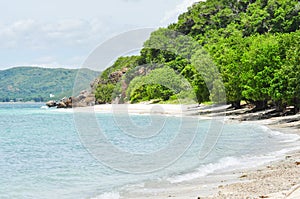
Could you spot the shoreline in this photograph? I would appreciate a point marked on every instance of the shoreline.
(275, 178)
(278, 178)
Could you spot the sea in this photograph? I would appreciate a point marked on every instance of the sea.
(49, 153)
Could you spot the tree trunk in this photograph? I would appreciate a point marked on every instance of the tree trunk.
(279, 106)
(296, 105)
(260, 105)
(236, 105)
(297, 110)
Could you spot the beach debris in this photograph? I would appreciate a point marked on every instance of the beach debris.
(263, 196)
(244, 176)
(297, 163)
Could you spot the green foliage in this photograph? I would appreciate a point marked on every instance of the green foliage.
(33, 83)
(110, 87)
(251, 17)
(206, 74)
(260, 61)
(166, 45)
(160, 83)
(226, 50)
(285, 87)
(271, 16)
(120, 63)
(227, 54)
(149, 92)
(218, 94)
(104, 93)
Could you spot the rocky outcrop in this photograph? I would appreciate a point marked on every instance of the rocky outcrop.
(51, 103)
(65, 103)
(115, 77)
(84, 99)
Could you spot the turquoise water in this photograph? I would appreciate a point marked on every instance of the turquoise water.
(42, 156)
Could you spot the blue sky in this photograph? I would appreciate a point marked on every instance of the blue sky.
(62, 33)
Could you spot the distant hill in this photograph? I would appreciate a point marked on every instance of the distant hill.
(37, 84)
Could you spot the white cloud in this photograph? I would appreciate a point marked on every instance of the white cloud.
(72, 32)
(28, 35)
(11, 34)
(63, 43)
(35, 35)
(172, 15)
(64, 25)
(68, 32)
(23, 25)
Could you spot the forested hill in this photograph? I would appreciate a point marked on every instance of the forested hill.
(36, 84)
(255, 46)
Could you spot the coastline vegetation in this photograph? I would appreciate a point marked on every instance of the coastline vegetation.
(255, 46)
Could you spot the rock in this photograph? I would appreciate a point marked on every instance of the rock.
(84, 93)
(90, 101)
(51, 103)
(124, 70)
(115, 76)
(84, 99)
(65, 103)
(79, 97)
(61, 105)
(68, 102)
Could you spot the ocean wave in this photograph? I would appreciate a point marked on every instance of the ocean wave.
(226, 164)
(108, 195)
(205, 170)
(284, 137)
(44, 107)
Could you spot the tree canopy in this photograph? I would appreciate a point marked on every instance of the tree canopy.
(238, 49)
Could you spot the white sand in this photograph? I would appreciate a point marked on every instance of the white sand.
(167, 109)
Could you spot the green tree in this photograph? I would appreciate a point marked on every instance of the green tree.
(260, 62)
(227, 55)
(209, 72)
(286, 87)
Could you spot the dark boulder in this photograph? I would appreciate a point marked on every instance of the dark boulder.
(61, 105)
(51, 103)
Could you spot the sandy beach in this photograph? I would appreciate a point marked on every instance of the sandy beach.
(165, 109)
(276, 179)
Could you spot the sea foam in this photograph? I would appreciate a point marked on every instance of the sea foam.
(108, 195)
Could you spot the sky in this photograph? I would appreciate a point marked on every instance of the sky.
(62, 33)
